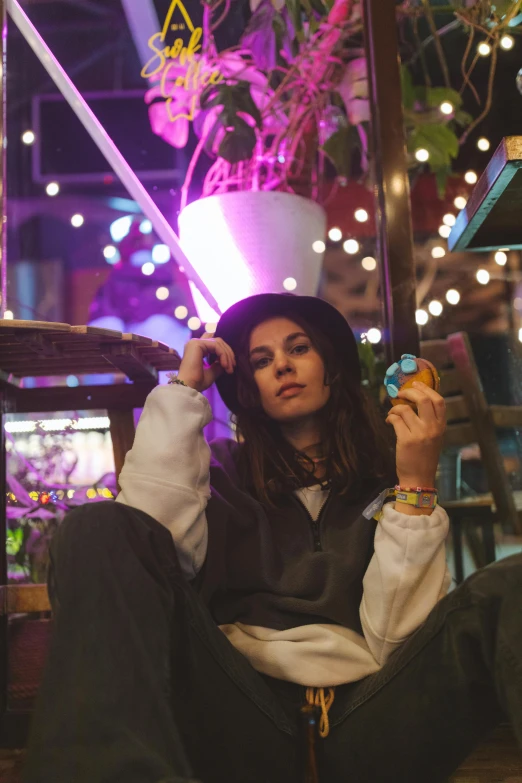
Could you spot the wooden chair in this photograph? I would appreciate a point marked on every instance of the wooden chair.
(30, 349)
(472, 420)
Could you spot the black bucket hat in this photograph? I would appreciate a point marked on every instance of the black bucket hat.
(245, 315)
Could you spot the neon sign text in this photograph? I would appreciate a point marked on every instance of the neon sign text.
(180, 56)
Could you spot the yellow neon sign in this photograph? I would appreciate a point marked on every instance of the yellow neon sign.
(167, 60)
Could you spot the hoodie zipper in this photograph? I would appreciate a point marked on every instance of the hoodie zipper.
(315, 523)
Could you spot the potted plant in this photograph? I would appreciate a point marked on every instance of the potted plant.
(284, 115)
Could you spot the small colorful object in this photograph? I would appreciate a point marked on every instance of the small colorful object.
(402, 375)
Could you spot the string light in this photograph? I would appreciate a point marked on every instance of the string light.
(482, 276)
(483, 144)
(449, 219)
(318, 246)
(120, 227)
(210, 328)
(351, 246)
(335, 234)
(452, 296)
(181, 312)
(160, 254)
(484, 49)
(193, 323)
(8, 315)
(470, 177)
(435, 308)
(446, 107)
(460, 202)
(148, 268)
(28, 137)
(444, 231)
(52, 189)
(438, 252)
(77, 220)
(369, 263)
(290, 284)
(162, 293)
(109, 251)
(500, 258)
(57, 425)
(507, 42)
(146, 227)
(374, 335)
(422, 155)
(361, 216)
(421, 316)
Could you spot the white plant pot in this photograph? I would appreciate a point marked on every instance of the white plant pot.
(250, 242)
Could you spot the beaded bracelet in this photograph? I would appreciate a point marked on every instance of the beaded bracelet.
(174, 379)
(400, 488)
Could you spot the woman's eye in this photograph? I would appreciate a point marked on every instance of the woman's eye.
(261, 363)
(300, 349)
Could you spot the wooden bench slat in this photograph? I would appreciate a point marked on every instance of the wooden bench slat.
(507, 415)
(18, 599)
(456, 409)
(436, 352)
(459, 435)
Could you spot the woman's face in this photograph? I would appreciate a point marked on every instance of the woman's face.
(282, 355)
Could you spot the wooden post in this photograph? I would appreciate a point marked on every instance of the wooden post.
(392, 192)
(3, 168)
(4, 630)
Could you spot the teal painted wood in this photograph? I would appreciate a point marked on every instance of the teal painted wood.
(496, 190)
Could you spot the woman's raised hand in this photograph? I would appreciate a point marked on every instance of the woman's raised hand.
(194, 372)
(419, 436)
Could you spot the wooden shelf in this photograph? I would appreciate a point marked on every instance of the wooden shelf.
(492, 217)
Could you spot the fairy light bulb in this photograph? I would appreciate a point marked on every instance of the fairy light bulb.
(452, 296)
(507, 42)
(460, 202)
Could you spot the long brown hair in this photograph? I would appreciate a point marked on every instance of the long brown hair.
(355, 441)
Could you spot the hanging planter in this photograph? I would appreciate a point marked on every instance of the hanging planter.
(251, 242)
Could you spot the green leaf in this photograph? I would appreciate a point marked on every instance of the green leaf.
(212, 96)
(294, 10)
(441, 178)
(434, 96)
(338, 148)
(319, 7)
(463, 118)
(14, 541)
(440, 141)
(502, 6)
(211, 136)
(238, 144)
(408, 91)
(243, 101)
